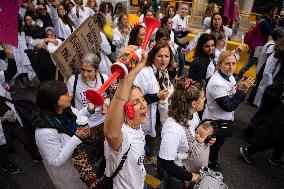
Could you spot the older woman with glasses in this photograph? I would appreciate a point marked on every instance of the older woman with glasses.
(223, 95)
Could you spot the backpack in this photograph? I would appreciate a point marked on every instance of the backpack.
(254, 37)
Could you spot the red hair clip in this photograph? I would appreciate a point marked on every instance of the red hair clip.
(187, 82)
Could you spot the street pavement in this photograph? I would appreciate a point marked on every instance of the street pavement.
(237, 174)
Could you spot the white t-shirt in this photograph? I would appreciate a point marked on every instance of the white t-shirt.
(179, 23)
(218, 87)
(173, 141)
(132, 174)
(206, 23)
(80, 97)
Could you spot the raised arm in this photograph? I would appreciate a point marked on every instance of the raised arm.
(116, 115)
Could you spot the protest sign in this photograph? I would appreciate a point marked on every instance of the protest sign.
(85, 39)
(9, 21)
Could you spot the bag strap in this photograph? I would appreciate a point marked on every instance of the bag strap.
(102, 78)
(124, 157)
(74, 89)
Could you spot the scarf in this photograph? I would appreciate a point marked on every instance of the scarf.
(64, 123)
(162, 77)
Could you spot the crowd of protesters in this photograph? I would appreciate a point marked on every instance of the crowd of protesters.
(186, 110)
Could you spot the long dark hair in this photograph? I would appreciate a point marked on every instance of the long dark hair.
(134, 34)
(65, 19)
(119, 8)
(201, 42)
(211, 23)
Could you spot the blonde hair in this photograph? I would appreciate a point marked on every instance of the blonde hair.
(223, 56)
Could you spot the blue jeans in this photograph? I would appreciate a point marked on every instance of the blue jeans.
(181, 62)
(250, 63)
(171, 182)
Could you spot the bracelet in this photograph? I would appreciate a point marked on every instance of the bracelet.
(118, 98)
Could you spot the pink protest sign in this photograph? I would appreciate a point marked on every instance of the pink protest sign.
(9, 21)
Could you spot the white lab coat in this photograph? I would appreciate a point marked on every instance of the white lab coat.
(83, 15)
(119, 40)
(62, 30)
(272, 67)
(22, 61)
(56, 150)
(148, 84)
(105, 51)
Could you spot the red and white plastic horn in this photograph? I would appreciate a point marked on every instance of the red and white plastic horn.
(121, 68)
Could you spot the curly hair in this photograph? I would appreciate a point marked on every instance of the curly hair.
(181, 100)
(155, 50)
(134, 35)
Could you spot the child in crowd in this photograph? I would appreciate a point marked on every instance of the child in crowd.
(199, 146)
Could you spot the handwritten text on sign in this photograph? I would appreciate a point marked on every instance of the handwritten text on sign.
(85, 39)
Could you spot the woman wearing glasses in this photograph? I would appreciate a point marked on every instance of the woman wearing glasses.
(223, 95)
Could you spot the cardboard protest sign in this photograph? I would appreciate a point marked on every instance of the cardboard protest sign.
(85, 39)
(9, 21)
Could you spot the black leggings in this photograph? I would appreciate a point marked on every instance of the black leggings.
(271, 134)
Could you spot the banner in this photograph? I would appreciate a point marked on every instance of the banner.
(9, 21)
(85, 39)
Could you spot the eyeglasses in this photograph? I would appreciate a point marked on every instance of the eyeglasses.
(230, 63)
(41, 9)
